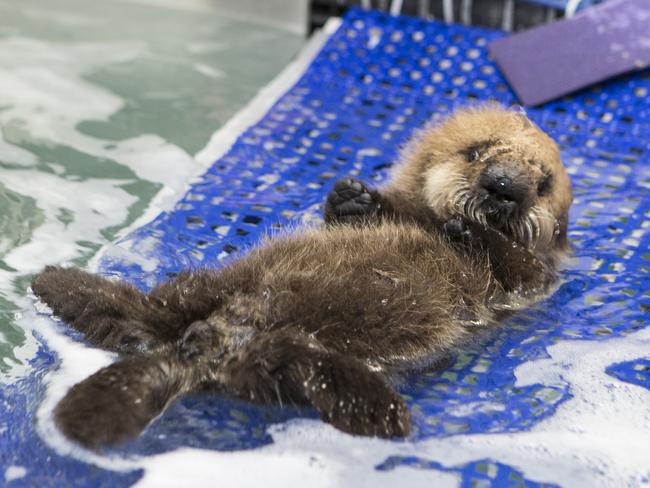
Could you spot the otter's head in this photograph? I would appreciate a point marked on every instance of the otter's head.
(493, 166)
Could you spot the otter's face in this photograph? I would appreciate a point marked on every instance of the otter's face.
(495, 167)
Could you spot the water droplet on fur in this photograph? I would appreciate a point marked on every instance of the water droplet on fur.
(323, 386)
(137, 400)
(384, 301)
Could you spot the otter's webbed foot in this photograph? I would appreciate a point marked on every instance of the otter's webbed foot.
(113, 315)
(350, 201)
(283, 368)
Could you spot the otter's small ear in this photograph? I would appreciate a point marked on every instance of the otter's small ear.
(520, 112)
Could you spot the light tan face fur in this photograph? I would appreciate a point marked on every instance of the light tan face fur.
(450, 164)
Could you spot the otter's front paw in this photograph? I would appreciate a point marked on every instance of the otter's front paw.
(350, 198)
(458, 231)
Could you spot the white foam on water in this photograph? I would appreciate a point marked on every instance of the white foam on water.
(45, 97)
(93, 204)
(77, 361)
(205, 47)
(209, 71)
(14, 473)
(16, 155)
(597, 438)
(322, 458)
(49, 117)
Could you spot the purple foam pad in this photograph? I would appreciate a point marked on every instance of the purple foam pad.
(556, 59)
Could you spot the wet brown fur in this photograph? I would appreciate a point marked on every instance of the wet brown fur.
(329, 316)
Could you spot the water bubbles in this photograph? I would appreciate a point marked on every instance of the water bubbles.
(41, 308)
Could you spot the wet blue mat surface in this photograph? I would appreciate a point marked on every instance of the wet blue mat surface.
(376, 80)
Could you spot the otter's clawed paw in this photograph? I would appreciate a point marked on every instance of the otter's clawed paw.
(350, 197)
(458, 231)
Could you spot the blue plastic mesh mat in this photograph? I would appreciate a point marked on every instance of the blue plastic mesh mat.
(635, 372)
(376, 80)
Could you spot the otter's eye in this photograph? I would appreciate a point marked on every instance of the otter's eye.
(473, 153)
(544, 185)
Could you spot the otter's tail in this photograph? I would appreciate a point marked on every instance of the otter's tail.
(118, 401)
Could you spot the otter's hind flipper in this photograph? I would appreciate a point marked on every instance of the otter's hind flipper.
(112, 315)
(283, 367)
(117, 402)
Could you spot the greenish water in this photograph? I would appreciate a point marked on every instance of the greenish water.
(102, 106)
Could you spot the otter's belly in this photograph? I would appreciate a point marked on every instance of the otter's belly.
(382, 292)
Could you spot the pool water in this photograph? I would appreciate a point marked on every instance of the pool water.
(103, 106)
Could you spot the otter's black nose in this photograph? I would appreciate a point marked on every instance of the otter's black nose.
(503, 189)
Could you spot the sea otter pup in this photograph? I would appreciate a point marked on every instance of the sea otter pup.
(472, 223)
